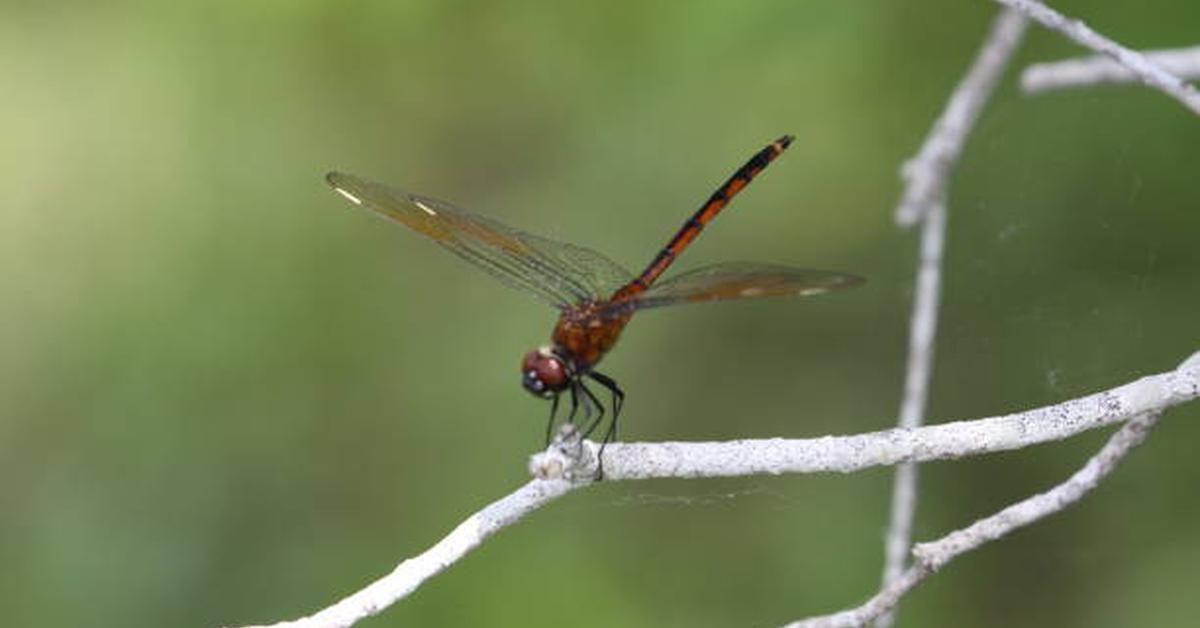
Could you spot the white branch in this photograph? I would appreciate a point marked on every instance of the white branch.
(937, 553)
(638, 461)
(926, 174)
(934, 555)
(411, 573)
(922, 332)
(1146, 70)
(1096, 69)
(925, 199)
(629, 461)
(1138, 404)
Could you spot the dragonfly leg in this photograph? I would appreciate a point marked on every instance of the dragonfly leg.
(590, 396)
(550, 423)
(618, 401)
(574, 404)
(587, 401)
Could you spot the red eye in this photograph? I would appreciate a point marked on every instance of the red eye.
(543, 373)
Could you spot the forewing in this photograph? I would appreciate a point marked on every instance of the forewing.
(557, 272)
(589, 268)
(738, 280)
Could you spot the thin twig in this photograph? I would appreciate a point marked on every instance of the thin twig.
(627, 461)
(1096, 69)
(411, 573)
(921, 337)
(1146, 70)
(932, 556)
(925, 200)
(926, 174)
(845, 454)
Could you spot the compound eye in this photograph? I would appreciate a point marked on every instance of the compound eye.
(543, 373)
(533, 383)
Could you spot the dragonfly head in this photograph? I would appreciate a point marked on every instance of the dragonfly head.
(544, 373)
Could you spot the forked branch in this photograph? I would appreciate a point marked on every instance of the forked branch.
(927, 174)
(925, 201)
(932, 556)
(1098, 69)
(1137, 405)
(1144, 68)
(627, 461)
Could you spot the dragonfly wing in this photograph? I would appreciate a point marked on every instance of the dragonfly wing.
(598, 274)
(738, 280)
(556, 272)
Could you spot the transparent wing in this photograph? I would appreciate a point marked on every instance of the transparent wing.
(737, 280)
(556, 272)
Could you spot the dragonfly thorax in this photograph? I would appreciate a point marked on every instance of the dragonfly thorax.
(585, 332)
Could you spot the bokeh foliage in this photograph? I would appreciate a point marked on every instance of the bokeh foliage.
(226, 396)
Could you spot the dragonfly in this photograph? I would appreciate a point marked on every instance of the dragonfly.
(595, 296)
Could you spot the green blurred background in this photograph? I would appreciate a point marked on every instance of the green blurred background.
(227, 396)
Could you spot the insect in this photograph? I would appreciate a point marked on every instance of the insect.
(595, 296)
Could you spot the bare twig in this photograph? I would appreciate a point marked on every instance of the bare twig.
(925, 196)
(1137, 404)
(924, 200)
(1096, 69)
(627, 461)
(922, 332)
(411, 573)
(926, 174)
(1146, 70)
(934, 555)
(937, 553)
